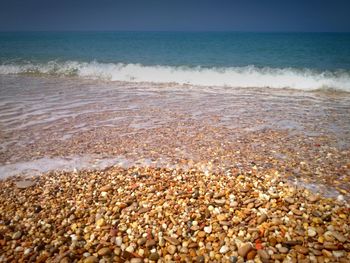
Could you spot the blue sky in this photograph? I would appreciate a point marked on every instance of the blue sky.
(179, 15)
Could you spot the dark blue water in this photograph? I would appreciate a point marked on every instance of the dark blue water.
(221, 49)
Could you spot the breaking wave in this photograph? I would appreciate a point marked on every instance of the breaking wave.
(248, 76)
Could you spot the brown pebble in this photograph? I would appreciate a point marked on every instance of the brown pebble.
(264, 256)
(244, 249)
(301, 249)
(24, 184)
(141, 241)
(105, 188)
(201, 234)
(172, 240)
(171, 249)
(262, 219)
(154, 256)
(150, 243)
(251, 254)
(91, 259)
(104, 251)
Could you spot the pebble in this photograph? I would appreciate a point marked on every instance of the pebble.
(136, 260)
(208, 229)
(154, 256)
(171, 249)
(150, 243)
(283, 250)
(224, 249)
(264, 256)
(262, 219)
(17, 235)
(91, 259)
(311, 232)
(172, 240)
(105, 188)
(244, 249)
(301, 249)
(221, 217)
(104, 251)
(118, 241)
(24, 184)
(233, 259)
(251, 254)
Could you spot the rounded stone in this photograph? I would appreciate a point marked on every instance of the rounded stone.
(91, 259)
(154, 256)
(171, 249)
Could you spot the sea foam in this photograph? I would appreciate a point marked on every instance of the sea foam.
(248, 76)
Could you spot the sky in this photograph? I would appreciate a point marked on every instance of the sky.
(175, 15)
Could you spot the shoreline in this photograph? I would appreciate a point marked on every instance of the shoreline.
(145, 214)
(206, 172)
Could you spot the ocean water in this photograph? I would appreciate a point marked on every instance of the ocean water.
(305, 61)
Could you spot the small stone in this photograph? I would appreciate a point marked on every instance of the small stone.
(104, 251)
(220, 202)
(311, 232)
(251, 254)
(313, 198)
(24, 184)
(208, 229)
(65, 260)
(105, 188)
(37, 209)
(224, 249)
(301, 249)
(233, 259)
(262, 219)
(172, 240)
(297, 212)
(221, 217)
(244, 249)
(130, 249)
(327, 253)
(340, 237)
(201, 234)
(136, 260)
(200, 259)
(17, 235)
(154, 256)
(141, 241)
(283, 250)
(150, 243)
(100, 222)
(118, 241)
(91, 259)
(171, 249)
(338, 253)
(289, 200)
(144, 210)
(127, 255)
(264, 256)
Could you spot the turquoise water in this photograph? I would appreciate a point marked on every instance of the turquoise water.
(293, 60)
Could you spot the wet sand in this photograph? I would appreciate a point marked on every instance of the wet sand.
(181, 154)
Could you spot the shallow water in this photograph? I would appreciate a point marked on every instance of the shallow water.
(211, 128)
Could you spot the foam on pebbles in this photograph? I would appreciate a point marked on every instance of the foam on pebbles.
(115, 216)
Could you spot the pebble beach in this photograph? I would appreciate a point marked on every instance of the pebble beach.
(218, 175)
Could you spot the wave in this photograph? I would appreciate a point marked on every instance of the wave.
(248, 76)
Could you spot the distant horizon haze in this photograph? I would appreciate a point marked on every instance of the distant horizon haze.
(181, 15)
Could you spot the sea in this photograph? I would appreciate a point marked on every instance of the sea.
(213, 101)
(305, 61)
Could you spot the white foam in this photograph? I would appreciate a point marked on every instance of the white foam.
(249, 76)
(69, 164)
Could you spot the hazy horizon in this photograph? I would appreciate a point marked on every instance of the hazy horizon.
(166, 15)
